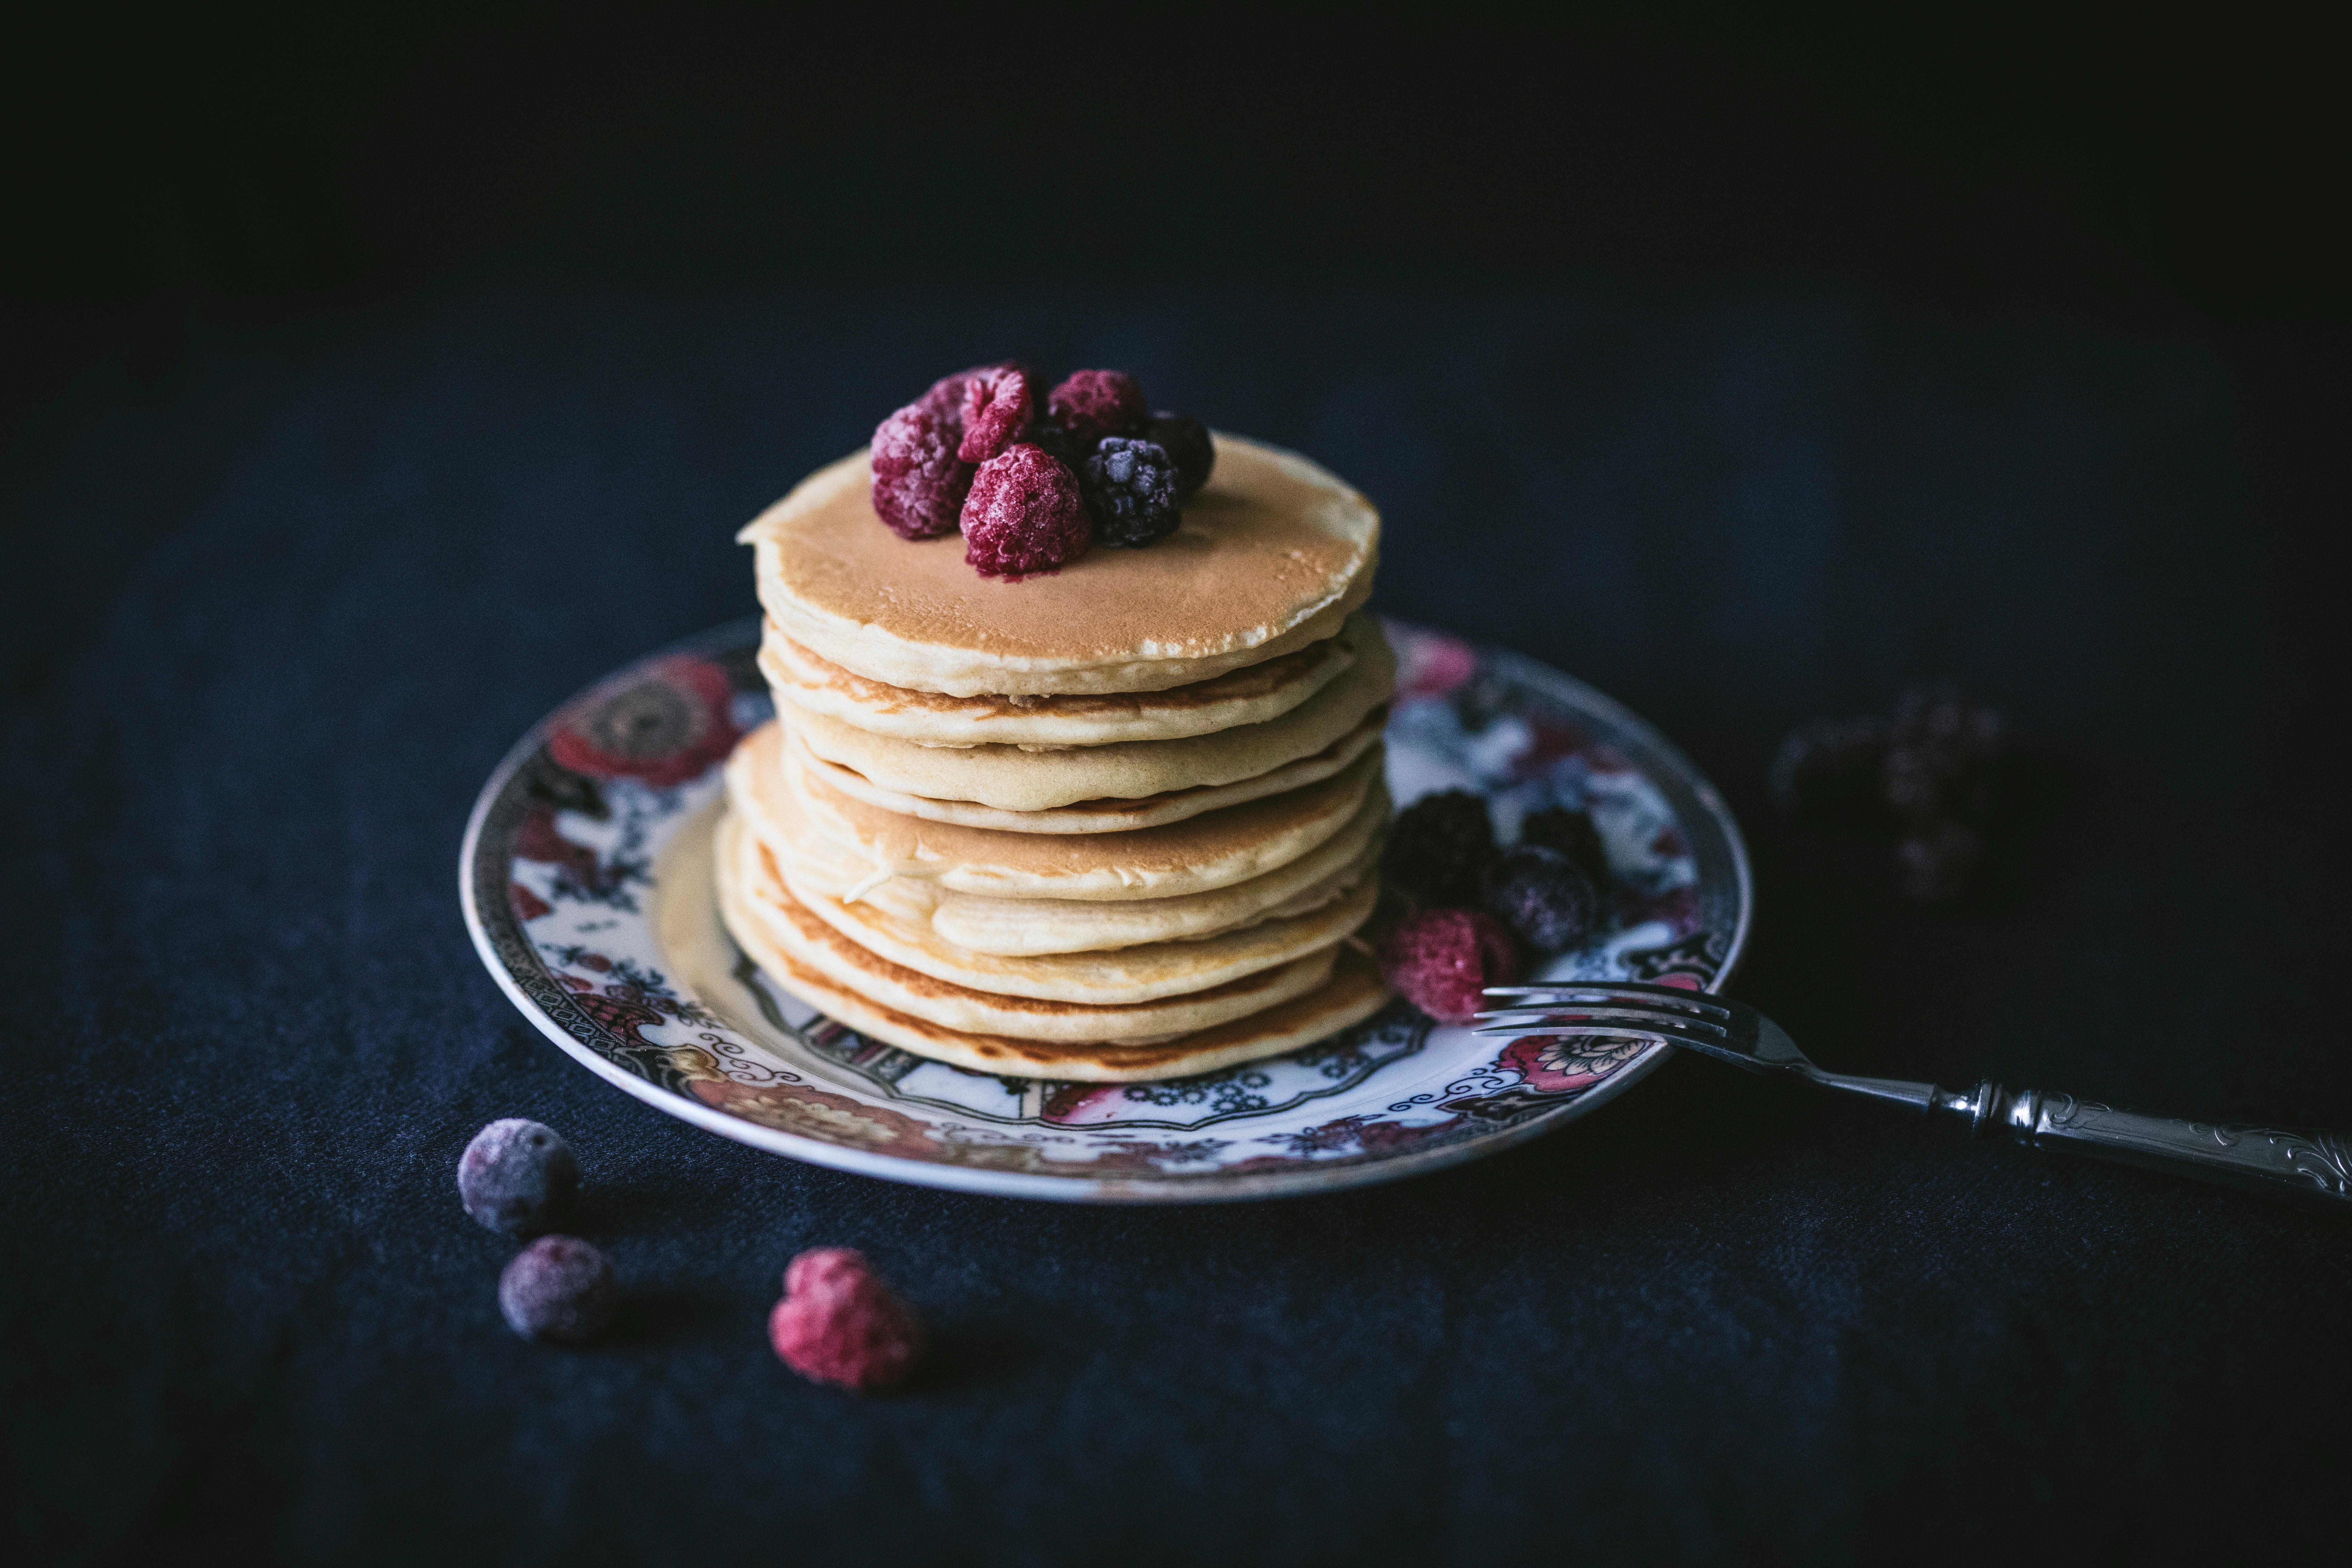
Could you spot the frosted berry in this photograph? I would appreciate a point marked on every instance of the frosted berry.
(1938, 861)
(518, 1177)
(996, 409)
(1092, 404)
(839, 1323)
(1439, 848)
(1025, 513)
(920, 484)
(561, 1289)
(1829, 767)
(1060, 445)
(1186, 441)
(1543, 895)
(1572, 834)
(1441, 961)
(1131, 488)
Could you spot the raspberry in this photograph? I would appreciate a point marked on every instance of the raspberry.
(1938, 861)
(1831, 766)
(1440, 847)
(839, 1323)
(996, 409)
(1441, 961)
(517, 1176)
(559, 1288)
(1572, 834)
(1025, 513)
(1131, 488)
(1543, 896)
(1186, 441)
(1092, 404)
(918, 482)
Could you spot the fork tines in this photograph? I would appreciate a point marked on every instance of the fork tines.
(1608, 1007)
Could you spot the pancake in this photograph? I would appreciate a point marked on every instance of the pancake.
(757, 902)
(1270, 558)
(1213, 850)
(1249, 696)
(1353, 994)
(1010, 779)
(1098, 815)
(1017, 928)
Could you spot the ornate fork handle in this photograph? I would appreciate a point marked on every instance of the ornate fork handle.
(2283, 1163)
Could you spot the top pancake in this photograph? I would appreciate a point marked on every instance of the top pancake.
(1270, 558)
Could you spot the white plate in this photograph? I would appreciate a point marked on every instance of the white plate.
(586, 881)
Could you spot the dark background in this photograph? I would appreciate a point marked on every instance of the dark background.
(373, 382)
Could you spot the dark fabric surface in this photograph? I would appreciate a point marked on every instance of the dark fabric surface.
(269, 626)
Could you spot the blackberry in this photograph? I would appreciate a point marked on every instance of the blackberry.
(1572, 834)
(1830, 766)
(1441, 961)
(1060, 445)
(1938, 861)
(1093, 404)
(1024, 513)
(1942, 757)
(1131, 488)
(1439, 848)
(1186, 441)
(559, 1288)
(920, 484)
(517, 1176)
(1543, 896)
(996, 409)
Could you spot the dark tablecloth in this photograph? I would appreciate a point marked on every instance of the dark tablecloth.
(269, 624)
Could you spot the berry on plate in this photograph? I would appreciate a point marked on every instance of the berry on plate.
(1545, 897)
(1439, 848)
(1441, 961)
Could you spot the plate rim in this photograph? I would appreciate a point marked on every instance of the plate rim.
(1076, 1188)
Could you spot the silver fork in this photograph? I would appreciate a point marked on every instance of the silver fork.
(2294, 1164)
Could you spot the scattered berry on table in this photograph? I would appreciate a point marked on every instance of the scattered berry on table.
(839, 1323)
(920, 483)
(1938, 861)
(1024, 513)
(1441, 961)
(1131, 488)
(1439, 847)
(1092, 404)
(1545, 897)
(1186, 441)
(559, 1288)
(1572, 834)
(1943, 756)
(997, 407)
(1831, 766)
(517, 1176)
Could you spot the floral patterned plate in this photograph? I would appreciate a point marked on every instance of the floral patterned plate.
(586, 881)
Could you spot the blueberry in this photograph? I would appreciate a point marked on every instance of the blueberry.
(1186, 441)
(517, 1176)
(1540, 894)
(559, 1288)
(1439, 848)
(1572, 834)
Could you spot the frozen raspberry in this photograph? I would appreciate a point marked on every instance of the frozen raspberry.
(996, 409)
(1542, 895)
(1572, 834)
(1130, 488)
(1186, 441)
(517, 1176)
(838, 1324)
(1938, 861)
(1025, 513)
(1092, 404)
(920, 484)
(1442, 960)
(559, 1288)
(1942, 757)
(1829, 767)
(1439, 848)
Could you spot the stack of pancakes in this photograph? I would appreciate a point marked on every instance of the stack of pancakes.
(1116, 822)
